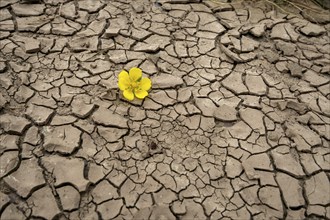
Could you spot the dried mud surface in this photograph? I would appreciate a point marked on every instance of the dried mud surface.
(236, 126)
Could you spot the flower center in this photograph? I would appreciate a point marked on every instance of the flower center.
(134, 85)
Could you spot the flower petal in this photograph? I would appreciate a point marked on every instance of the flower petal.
(145, 84)
(123, 74)
(128, 94)
(135, 74)
(123, 80)
(123, 84)
(141, 94)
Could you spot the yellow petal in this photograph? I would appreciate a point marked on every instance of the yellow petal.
(123, 85)
(135, 74)
(145, 84)
(123, 80)
(141, 94)
(123, 74)
(128, 94)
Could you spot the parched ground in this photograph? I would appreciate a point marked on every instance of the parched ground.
(236, 126)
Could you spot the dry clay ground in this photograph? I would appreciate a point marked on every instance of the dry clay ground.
(236, 126)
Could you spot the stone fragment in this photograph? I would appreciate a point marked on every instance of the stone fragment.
(190, 164)
(106, 117)
(207, 124)
(4, 4)
(192, 122)
(32, 136)
(32, 45)
(64, 139)
(239, 58)
(256, 15)
(180, 48)
(316, 210)
(228, 19)
(311, 55)
(41, 86)
(23, 94)
(162, 212)
(84, 43)
(248, 44)
(98, 192)
(240, 130)
(110, 209)
(234, 83)
(179, 208)
(288, 49)
(43, 203)
(300, 134)
(286, 161)
(138, 8)
(62, 120)
(322, 130)
(206, 106)
(271, 196)
(249, 193)
(194, 210)
(66, 170)
(315, 79)
(6, 26)
(8, 142)
(23, 10)
(91, 6)
(8, 162)
(27, 178)
(155, 212)
(31, 23)
(233, 167)
(111, 32)
(284, 31)
(254, 118)
(63, 27)
(258, 30)
(165, 81)
(5, 14)
(97, 67)
(68, 10)
(255, 85)
(162, 98)
(271, 55)
(255, 163)
(39, 114)
(129, 192)
(12, 212)
(81, 109)
(140, 34)
(13, 124)
(312, 30)
(145, 47)
(317, 189)
(149, 104)
(95, 28)
(3, 66)
(111, 134)
(291, 190)
(3, 101)
(296, 214)
(70, 197)
(309, 164)
(95, 172)
(295, 69)
(166, 196)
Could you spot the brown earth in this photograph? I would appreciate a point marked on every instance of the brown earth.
(236, 125)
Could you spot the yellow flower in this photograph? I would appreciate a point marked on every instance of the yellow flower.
(133, 84)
